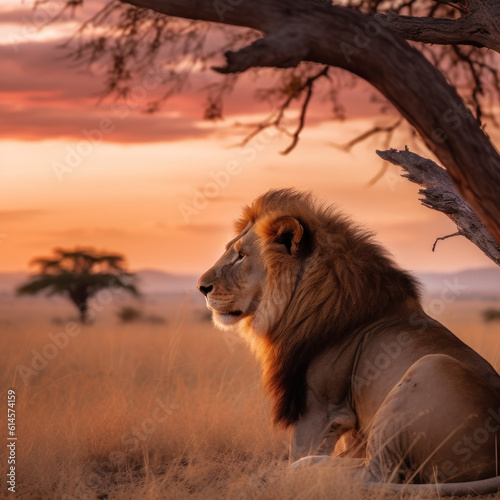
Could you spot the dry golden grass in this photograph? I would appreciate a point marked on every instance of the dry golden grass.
(150, 411)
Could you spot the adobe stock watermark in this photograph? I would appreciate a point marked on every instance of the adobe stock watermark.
(363, 37)
(121, 110)
(39, 17)
(450, 292)
(392, 178)
(223, 6)
(232, 339)
(268, 312)
(131, 441)
(258, 480)
(220, 180)
(388, 353)
(453, 117)
(468, 443)
(41, 358)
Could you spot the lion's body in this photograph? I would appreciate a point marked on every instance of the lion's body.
(417, 398)
(347, 351)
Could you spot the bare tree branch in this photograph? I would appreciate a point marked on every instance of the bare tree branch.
(387, 130)
(479, 26)
(442, 238)
(338, 36)
(281, 49)
(129, 41)
(440, 194)
(308, 87)
(299, 86)
(377, 129)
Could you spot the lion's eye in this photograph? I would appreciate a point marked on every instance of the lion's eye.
(241, 255)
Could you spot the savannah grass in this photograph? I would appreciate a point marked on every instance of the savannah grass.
(169, 410)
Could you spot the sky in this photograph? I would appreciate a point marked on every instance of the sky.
(164, 188)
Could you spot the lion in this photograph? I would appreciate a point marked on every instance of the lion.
(355, 368)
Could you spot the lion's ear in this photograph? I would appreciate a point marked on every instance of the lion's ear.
(289, 232)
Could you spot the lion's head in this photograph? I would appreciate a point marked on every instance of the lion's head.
(253, 281)
(233, 287)
(296, 278)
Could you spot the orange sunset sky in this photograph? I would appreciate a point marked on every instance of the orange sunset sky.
(129, 190)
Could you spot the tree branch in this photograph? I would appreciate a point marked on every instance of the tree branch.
(479, 27)
(377, 129)
(338, 36)
(282, 49)
(308, 85)
(277, 118)
(440, 194)
(442, 238)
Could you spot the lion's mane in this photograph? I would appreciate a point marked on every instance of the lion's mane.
(340, 281)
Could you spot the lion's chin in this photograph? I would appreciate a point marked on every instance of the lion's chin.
(226, 320)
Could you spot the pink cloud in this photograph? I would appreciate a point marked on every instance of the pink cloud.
(45, 95)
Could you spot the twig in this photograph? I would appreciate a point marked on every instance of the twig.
(458, 233)
(377, 129)
(276, 118)
(440, 194)
(309, 86)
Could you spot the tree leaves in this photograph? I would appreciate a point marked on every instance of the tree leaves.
(79, 274)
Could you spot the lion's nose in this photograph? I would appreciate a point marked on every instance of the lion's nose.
(205, 290)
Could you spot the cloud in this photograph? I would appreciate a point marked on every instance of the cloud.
(79, 233)
(19, 215)
(20, 13)
(204, 228)
(42, 122)
(228, 199)
(45, 95)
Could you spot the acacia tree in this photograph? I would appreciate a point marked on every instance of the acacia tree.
(305, 39)
(79, 274)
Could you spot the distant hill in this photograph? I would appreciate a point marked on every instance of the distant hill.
(10, 281)
(472, 283)
(149, 281)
